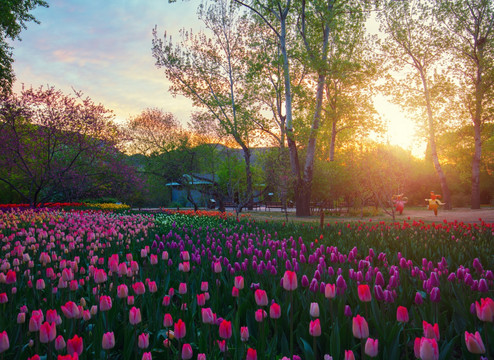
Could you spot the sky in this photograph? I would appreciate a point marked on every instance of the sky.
(103, 48)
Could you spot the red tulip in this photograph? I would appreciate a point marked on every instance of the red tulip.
(364, 293)
(225, 329)
(360, 327)
(47, 332)
(179, 329)
(4, 341)
(371, 347)
(75, 345)
(474, 343)
(315, 328)
(290, 280)
(402, 314)
(274, 311)
(201, 299)
(235, 292)
(251, 354)
(4, 298)
(135, 316)
(261, 297)
(108, 341)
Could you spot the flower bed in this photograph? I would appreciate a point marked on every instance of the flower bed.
(99, 285)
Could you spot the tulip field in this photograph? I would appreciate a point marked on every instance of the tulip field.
(103, 284)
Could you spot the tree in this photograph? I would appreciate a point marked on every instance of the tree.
(211, 70)
(414, 44)
(57, 146)
(14, 14)
(469, 25)
(314, 21)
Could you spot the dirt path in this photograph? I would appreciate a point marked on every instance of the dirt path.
(460, 214)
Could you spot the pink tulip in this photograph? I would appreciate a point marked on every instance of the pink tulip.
(274, 311)
(182, 288)
(152, 287)
(59, 343)
(221, 345)
(430, 332)
(314, 309)
(235, 292)
(239, 282)
(204, 286)
(217, 267)
(485, 310)
(40, 284)
(330, 291)
(371, 347)
(139, 288)
(70, 310)
(143, 341)
(315, 328)
(100, 276)
(187, 352)
(147, 356)
(75, 345)
(207, 315)
(4, 298)
(166, 300)
(122, 291)
(426, 349)
(47, 332)
(134, 316)
(402, 314)
(360, 327)
(260, 315)
(244, 333)
(4, 341)
(36, 320)
(290, 280)
(261, 297)
(167, 320)
(201, 356)
(474, 343)
(108, 341)
(105, 303)
(364, 293)
(179, 329)
(349, 355)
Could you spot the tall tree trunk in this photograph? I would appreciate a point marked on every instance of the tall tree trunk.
(432, 142)
(248, 174)
(305, 186)
(475, 200)
(332, 144)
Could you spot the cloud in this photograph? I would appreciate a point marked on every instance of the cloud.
(103, 48)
